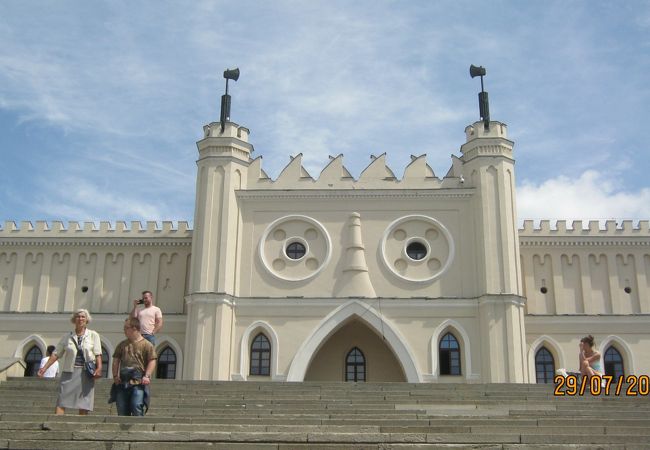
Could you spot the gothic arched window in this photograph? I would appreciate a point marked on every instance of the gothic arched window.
(33, 361)
(166, 364)
(105, 361)
(355, 365)
(260, 356)
(449, 355)
(614, 363)
(544, 366)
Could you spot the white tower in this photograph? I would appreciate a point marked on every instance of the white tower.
(488, 166)
(223, 162)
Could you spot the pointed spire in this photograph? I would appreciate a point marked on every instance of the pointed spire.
(355, 281)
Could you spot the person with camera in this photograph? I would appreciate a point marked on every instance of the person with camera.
(81, 351)
(150, 316)
(134, 361)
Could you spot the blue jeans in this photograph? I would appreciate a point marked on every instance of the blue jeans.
(130, 400)
(151, 338)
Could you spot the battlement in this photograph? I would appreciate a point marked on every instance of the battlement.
(377, 175)
(592, 228)
(232, 143)
(231, 130)
(120, 229)
(477, 130)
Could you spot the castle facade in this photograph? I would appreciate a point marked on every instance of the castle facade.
(415, 278)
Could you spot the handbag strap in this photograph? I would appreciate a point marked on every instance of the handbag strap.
(77, 344)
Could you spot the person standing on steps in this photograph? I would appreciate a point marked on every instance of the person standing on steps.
(53, 370)
(150, 316)
(134, 361)
(77, 348)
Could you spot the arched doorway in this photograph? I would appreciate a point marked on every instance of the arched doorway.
(329, 362)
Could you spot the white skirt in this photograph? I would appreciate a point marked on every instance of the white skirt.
(76, 390)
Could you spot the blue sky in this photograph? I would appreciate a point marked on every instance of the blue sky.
(101, 103)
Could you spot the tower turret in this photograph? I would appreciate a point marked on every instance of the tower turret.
(224, 157)
(488, 166)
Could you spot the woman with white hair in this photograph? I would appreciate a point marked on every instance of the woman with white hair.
(77, 385)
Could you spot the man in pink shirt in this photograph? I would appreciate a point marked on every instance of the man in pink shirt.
(150, 316)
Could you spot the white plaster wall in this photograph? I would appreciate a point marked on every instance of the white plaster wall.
(415, 321)
(628, 334)
(376, 215)
(586, 273)
(48, 276)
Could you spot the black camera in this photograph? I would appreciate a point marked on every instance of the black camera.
(141, 301)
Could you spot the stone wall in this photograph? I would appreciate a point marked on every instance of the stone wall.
(592, 270)
(51, 268)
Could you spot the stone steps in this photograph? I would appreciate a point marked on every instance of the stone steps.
(64, 439)
(232, 415)
(169, 425)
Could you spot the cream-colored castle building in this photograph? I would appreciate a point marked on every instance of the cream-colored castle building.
(412, 278)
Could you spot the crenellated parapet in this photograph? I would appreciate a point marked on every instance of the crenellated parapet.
(591, 228)
(377, 175)
(585, 267)
(152, 231)
(57, 266)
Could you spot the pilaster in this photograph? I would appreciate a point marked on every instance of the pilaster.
(528, 269)
(614, 288)
(503, 338)
(17, 287)
(71, 283)
(44, 282)
(98, 284)
(585, 279)
(125, 304)
(643, 293)
(558, 284)
(209, 337)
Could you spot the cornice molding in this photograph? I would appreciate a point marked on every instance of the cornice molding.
(337, 194)
(590, 241)
(211, 298)
(568, 320)
(386, 302)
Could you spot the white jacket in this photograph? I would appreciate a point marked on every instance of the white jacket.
(66, 349)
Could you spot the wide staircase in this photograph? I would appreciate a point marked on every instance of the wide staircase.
(238, 415)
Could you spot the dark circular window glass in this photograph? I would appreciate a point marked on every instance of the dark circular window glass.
(628, 289)
(416, 250)
(296, 250)
(543, 290)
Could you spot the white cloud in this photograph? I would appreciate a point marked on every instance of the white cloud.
(74, 198)
(131, 86)
(592, 195)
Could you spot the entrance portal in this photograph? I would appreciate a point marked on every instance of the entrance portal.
(329, 363)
